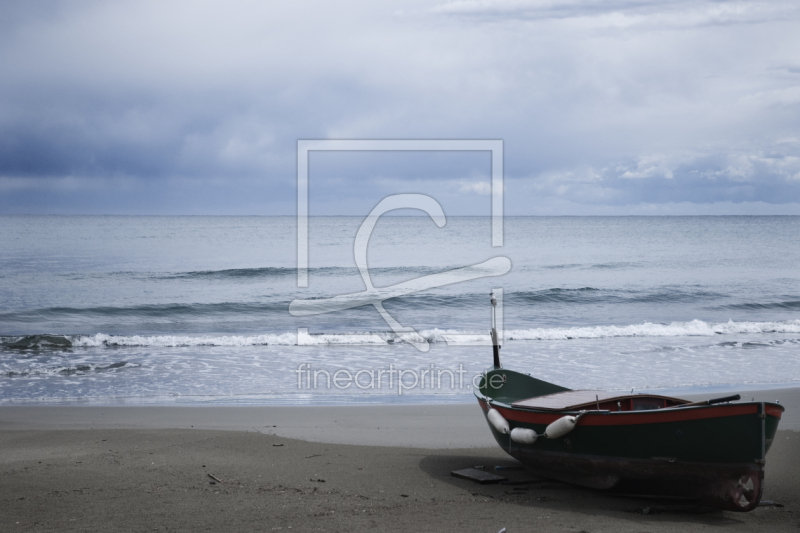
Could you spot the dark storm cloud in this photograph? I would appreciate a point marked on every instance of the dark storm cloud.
(197, 106)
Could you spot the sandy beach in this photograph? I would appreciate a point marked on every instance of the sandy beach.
(364, 468)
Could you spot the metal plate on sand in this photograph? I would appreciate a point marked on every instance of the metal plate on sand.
(473, 474)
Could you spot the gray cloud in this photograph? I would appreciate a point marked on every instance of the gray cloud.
(622, 13)
(196, 106)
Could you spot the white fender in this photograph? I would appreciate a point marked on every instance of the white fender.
(497, 421)
(523, 435)
(560, 427)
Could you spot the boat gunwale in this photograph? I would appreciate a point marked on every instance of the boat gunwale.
(651, 416)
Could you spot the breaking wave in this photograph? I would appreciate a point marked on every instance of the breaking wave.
(647, 329)
(434, 335)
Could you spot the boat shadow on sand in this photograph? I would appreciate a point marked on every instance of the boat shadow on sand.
(523, 490)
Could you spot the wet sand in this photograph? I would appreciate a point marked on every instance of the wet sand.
(146, 469)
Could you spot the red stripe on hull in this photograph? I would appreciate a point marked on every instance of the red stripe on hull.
(625, 418)
(774, 410)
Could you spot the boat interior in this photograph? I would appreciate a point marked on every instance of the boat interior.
(597, 400)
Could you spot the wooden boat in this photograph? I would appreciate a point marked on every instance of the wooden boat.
(712, 451)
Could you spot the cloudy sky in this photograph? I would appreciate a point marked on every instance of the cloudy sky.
(604, 107)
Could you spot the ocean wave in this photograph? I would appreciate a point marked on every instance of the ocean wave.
(557, 296)
(613, 266)
(36, 341)
(593, 295)
(147, 310)
(271, 272)
(274, 339)
(433, 335)
(79, 369)
(588, 266)
(792, 304)
(413, 302)
(174, 341)
(262, 272)
(648, 329)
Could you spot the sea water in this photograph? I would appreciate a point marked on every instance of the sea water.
(162, 310)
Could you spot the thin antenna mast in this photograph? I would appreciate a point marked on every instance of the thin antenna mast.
(495, 342)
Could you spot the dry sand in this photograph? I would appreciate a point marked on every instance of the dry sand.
(146, 469)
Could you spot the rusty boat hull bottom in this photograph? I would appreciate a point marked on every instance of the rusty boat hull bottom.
(733, 487)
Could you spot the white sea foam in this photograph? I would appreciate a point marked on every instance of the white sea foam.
(450, 336)
(648, 329)
(168, 341)
(282, 339)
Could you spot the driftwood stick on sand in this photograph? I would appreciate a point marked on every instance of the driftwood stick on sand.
(215, 478)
